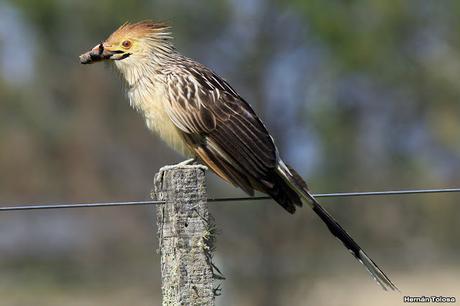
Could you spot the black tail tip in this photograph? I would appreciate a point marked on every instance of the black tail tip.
(376, 273)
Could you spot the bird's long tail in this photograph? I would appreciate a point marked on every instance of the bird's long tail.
(299, 186)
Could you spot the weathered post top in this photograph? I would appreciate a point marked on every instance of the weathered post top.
(184, 235)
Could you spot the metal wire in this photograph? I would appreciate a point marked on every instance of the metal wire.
(79, 205)
(348, 194)
(236, 199)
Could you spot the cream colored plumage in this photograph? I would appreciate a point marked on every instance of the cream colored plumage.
(148, 99)
(199, 114)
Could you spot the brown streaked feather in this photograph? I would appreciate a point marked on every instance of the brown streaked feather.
(234, 142)
(223, 169)
(209, 161)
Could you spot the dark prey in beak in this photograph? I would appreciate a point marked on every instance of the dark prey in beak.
(97, 54)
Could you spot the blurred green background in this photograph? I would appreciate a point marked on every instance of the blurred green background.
(359, 95)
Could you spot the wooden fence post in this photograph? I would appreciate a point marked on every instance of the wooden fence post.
(185, 236)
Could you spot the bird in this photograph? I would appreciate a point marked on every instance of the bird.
(198, 114)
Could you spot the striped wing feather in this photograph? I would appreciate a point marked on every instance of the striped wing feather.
(221, 128)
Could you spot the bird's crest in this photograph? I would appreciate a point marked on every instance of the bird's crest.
(142, 29)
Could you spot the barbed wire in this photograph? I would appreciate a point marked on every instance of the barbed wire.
(231, 199)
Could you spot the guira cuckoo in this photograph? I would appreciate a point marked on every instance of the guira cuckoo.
(200, 115)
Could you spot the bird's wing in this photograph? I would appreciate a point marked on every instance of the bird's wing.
(221, 127)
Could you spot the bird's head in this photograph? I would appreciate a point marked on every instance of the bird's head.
(130, 43)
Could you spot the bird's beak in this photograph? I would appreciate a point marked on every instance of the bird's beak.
(101, 53)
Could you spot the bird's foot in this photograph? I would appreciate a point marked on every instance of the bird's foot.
(187, 162)
(192, 162)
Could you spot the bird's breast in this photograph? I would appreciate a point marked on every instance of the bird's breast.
(150, 102)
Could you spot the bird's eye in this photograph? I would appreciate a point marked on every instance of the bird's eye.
(126, 44)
